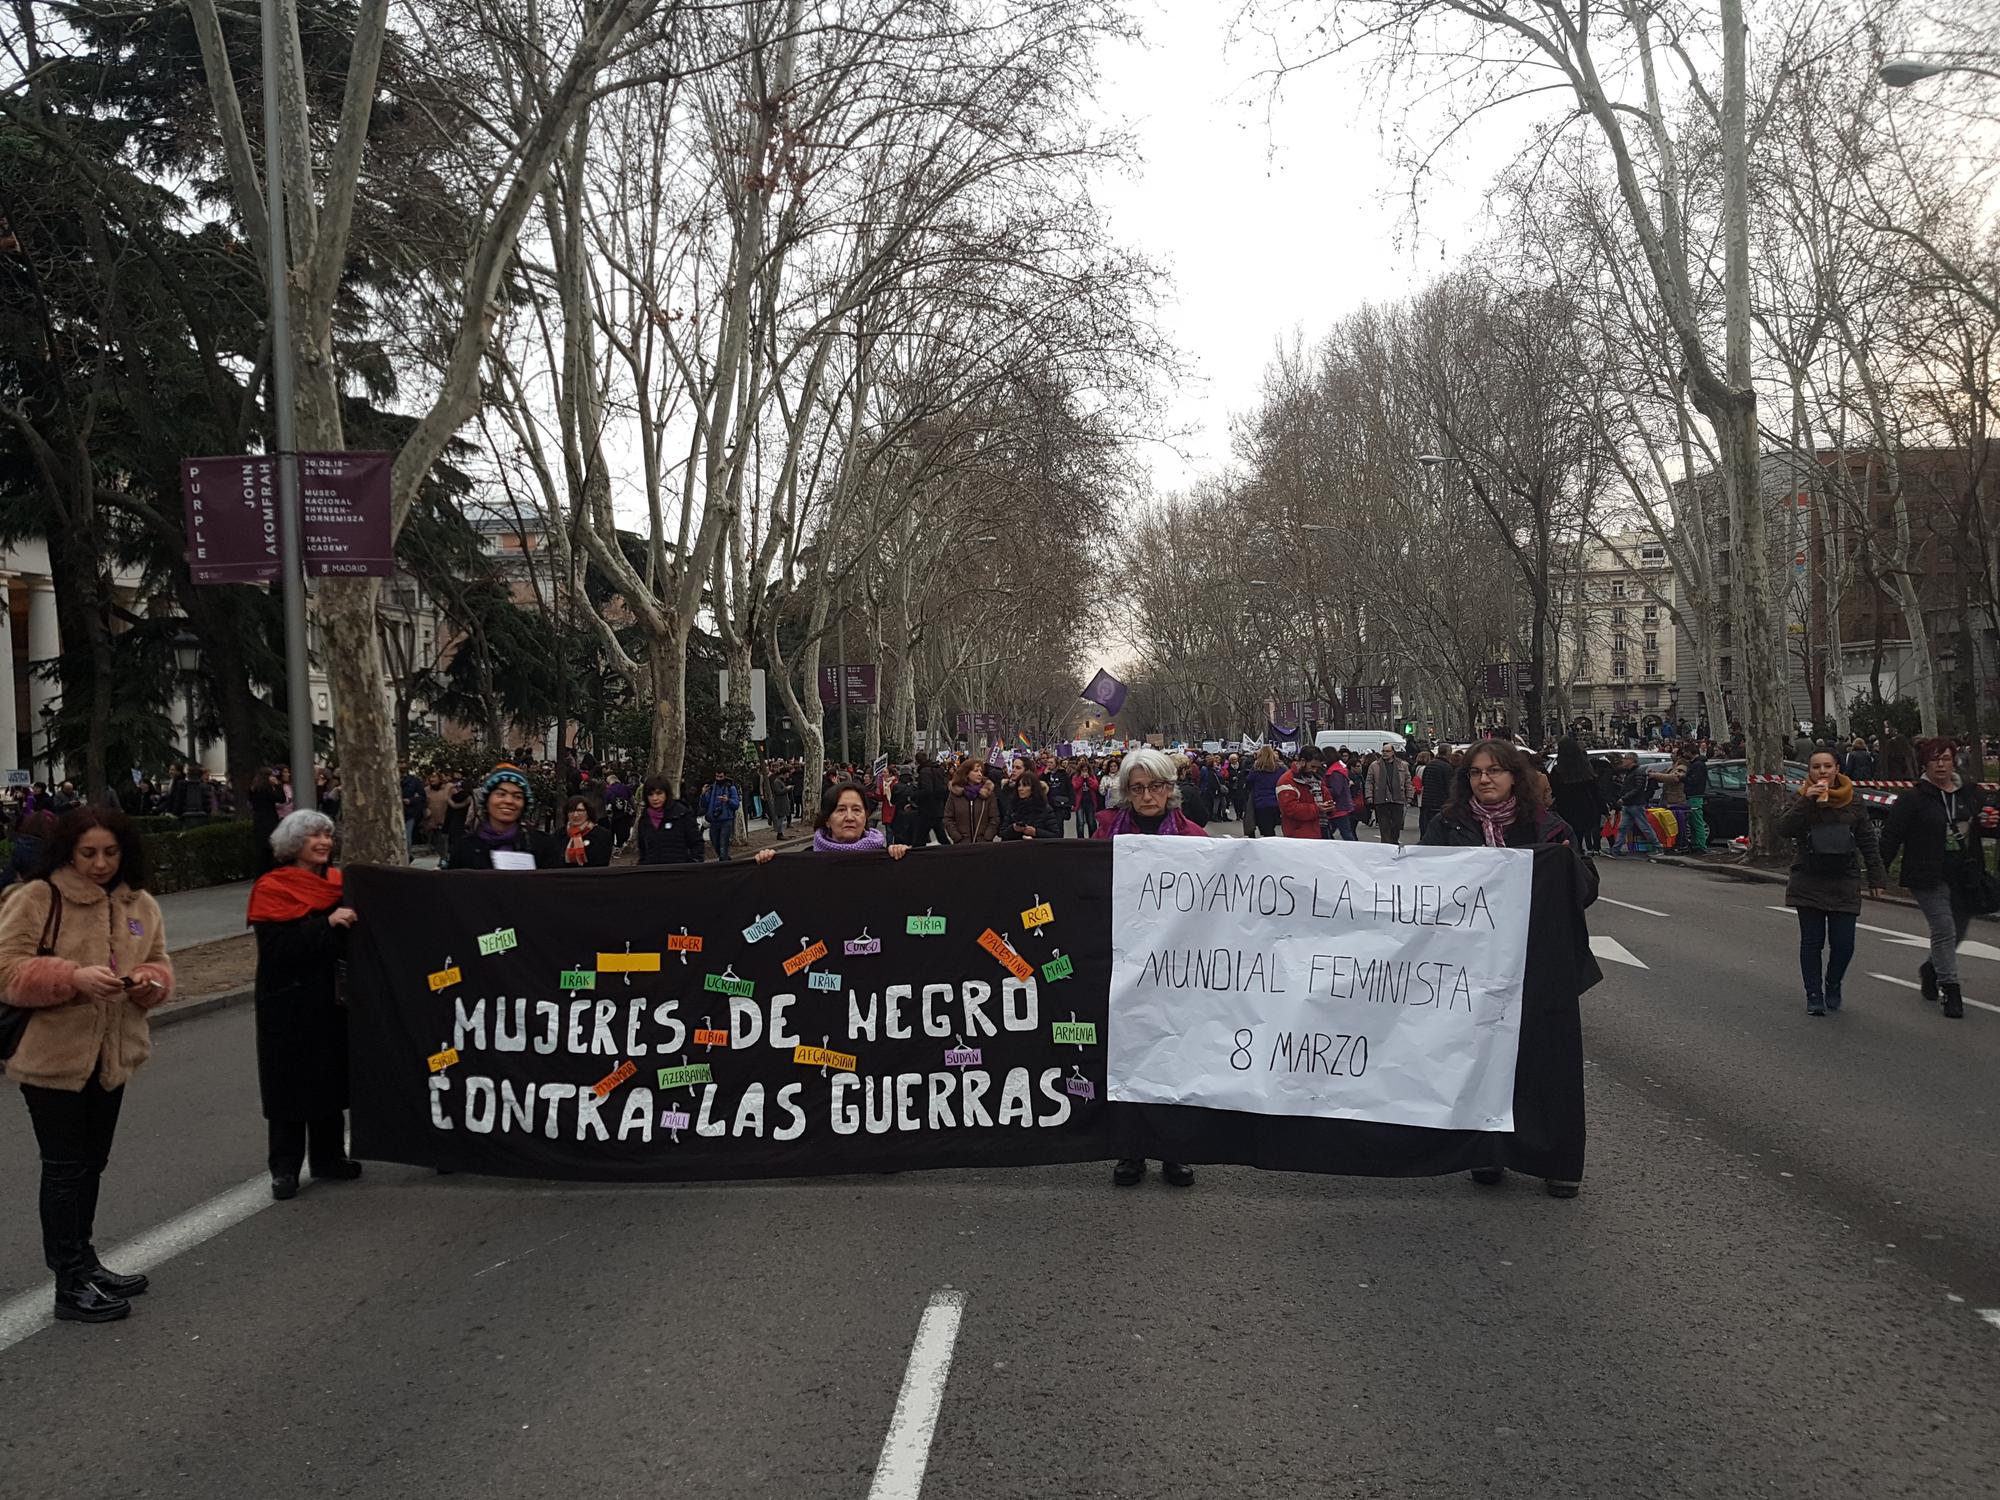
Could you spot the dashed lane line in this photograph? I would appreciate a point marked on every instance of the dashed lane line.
(1970, 948)
(28, 1314)
(1911, 984)
(1604, 900)
(906, 1449)
(1610, 948)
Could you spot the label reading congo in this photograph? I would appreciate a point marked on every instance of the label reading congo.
(729, 984)
(1077, 1033)
(925, 927)
(673, 1078)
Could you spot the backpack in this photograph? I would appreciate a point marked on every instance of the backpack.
(1830, 849)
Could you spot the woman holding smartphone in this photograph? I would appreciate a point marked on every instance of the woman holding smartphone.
(84, 952)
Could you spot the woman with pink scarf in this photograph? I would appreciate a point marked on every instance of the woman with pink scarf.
(842, 826)
(1500, 800)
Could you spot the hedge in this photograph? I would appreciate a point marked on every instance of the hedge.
(180, 858)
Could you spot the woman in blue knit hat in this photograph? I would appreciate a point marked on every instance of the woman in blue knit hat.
(501, 838)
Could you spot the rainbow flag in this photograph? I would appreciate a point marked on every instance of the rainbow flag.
(1022, 740)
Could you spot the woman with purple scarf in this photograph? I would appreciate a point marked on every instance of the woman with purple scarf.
(1500, 800)
(842, 826)
(501, 839)
(1145, 799)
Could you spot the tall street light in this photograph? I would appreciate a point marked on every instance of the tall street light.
(187, 659)
(1901, 72)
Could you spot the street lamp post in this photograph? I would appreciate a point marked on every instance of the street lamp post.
(187, 659)
(1901, 72)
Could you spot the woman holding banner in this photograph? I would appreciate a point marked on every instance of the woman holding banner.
(1145, 802)
(502, 840)
(1500, 800)
(842, 826)
(301, 925)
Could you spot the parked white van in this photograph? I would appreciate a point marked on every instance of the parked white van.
(1361, 741)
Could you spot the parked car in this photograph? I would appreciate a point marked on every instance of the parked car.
(1728, 802)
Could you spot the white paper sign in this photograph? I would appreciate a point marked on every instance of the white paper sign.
(1335, 979)
(512, 859)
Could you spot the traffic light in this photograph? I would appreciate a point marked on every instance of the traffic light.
(1409, 727)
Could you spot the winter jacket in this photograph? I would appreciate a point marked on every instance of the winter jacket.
(1811, 884)
(1033, 812)
(1898, 760)
(677, 839)
(933, 786)
(1579, 803)
(1339, 791)
(1195, 806)
(301, 1024)
(1859, 765)
(1298, 813)
(474, 853)
(967, 821)
(720, 801)
(1694, 777)
(1457, 828)
(69, 1039)
(598, 846)
(1917, 826)
(1438, 777)
(1264, 787)
(1389, 781)
(1173, 824)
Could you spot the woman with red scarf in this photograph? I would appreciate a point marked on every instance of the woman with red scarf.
(301, 925)
(586, 841)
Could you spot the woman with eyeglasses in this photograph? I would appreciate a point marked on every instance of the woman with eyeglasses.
(1940, 827)
(1145, 800)
(1499, 800)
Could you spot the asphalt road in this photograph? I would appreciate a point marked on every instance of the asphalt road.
(1772, 1285)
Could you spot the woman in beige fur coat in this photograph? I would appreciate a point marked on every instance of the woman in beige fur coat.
(84, 952)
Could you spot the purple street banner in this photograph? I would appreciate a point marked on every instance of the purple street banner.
(1506, 679)
(230, 508)
(346, 498)
(1106, 691)
(860, 677)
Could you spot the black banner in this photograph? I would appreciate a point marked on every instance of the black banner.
(828, 1014)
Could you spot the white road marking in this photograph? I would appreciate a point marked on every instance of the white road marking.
(1608, 901)
(1991, 1315)
(1911, 984)
(29, 1313)
(1970, 948)
(1617, 952)
(906, 1449)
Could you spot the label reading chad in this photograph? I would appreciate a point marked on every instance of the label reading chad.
(1083, 1088)
(673, 1078)
(445, 977)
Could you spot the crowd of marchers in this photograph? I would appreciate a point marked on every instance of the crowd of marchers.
(84, 959)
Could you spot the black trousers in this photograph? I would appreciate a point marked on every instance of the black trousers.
(289, 1138)
(1389, 822)
(73, 1132)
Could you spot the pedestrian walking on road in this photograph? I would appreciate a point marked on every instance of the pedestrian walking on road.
(1389, 790)
(777, 794)
(1145, 802)
(83, 952)
(1833, 845)
(721, 800)
(1439, 776)
(301, 921)
(1940, 827)
(667, 831)
(502, 839)
(1266, 774)
(1898, 759)
(1575, 795)
(1500, 800)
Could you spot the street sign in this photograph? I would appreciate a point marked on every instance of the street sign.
(229, 507)
(860, 680)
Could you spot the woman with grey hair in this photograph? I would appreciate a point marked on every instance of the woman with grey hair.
(1145, 800)
(301, 925)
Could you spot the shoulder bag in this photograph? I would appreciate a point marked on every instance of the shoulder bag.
(14, 1018)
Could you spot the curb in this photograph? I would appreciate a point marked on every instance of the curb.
(201, 1005)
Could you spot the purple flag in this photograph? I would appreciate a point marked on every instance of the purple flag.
(1106, 691)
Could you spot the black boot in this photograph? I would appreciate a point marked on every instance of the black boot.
(104, 1280)
(81, 1300)
(1129, 1172)
(1489, 1176)
(1928, 977)
(1177, 1173)
(284, 1185)
(1954, 1002)
(110, 1281)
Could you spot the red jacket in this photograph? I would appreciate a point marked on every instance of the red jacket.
(1298, 813)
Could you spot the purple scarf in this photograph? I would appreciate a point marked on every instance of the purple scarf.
(493, 838)
(1494, 821)
(872, 839)
(1171, 824)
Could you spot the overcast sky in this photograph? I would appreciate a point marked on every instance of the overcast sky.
(1269, 214)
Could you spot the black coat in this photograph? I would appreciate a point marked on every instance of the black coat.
(1033, 812)
(301, 1024)
(1915, 828)
(1819, 890)
(473, 853)
(598, 847)
(1578, 803)
(677, 841)
(1457, 828)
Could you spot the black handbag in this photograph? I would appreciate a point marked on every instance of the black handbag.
(1978, 888)
(14, 1018)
